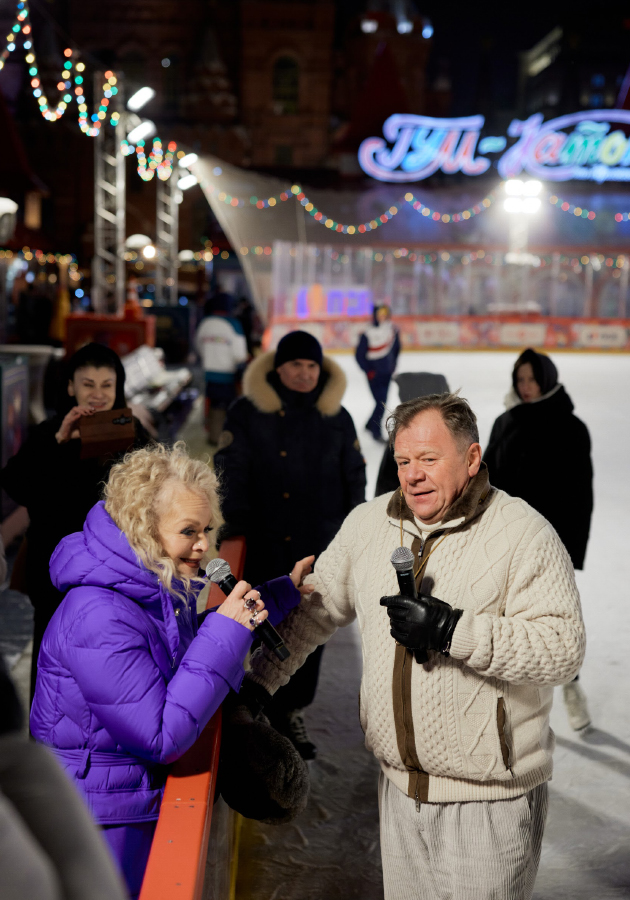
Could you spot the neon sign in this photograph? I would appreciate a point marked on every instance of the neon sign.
(316, 300)
(581, 146)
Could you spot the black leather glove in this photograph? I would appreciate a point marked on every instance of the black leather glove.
(424, 623)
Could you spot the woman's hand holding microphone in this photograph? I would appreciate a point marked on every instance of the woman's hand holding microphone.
(244, 606)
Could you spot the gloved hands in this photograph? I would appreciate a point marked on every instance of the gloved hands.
(261, 774)
(424, 623)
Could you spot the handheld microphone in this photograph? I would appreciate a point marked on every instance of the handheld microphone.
(402, 560)
(219, 572)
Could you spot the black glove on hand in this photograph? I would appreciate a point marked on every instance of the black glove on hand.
(425, 623)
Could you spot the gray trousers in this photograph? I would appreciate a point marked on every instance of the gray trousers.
(486, 850)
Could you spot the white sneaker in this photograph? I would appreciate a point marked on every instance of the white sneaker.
(577, 707)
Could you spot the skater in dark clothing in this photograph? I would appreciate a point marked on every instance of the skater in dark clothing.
(377, 354)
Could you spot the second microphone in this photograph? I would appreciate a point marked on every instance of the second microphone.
(219, 572)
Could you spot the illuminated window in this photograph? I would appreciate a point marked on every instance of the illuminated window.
(286, 84)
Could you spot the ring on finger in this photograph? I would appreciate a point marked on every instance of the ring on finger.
(254, 620)
(251, 602)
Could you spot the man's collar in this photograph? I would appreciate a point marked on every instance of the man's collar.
(465, 508)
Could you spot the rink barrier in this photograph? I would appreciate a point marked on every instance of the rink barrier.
(177, 862)
(499, 331)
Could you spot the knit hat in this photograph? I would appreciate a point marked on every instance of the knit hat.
(298, 345)
(544, 370)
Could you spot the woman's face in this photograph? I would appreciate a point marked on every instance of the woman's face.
(184, 522)
(382, 314)
(526, 385)
(94, 387)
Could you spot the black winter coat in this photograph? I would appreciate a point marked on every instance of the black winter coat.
(58, 488)
(291, 468)
(541, 452)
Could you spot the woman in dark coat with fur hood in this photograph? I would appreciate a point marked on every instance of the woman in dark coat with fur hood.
(540, 451)
(291, 469)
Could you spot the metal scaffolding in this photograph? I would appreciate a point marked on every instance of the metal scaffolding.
(108, 264)
(167, 243)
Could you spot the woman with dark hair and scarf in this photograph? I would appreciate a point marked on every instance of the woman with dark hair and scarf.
(49, 478)
(540, 451)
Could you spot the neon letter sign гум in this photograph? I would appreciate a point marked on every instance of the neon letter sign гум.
(592, 151)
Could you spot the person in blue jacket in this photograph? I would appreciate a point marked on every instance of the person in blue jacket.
(377, 354)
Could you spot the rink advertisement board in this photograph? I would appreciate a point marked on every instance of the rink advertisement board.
(468, 332)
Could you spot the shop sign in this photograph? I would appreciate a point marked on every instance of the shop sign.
(584, 146)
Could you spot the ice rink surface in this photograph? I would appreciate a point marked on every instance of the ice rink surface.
(332, 849)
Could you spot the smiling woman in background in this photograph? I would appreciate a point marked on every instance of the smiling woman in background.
(49, 478)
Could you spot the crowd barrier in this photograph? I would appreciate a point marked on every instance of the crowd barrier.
(177, 862)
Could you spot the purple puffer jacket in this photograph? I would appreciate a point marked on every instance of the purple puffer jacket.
(127, 678)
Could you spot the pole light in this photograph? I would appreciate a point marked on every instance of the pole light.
(188, 160)
(145, 129)
(186, 182)
(140, 98)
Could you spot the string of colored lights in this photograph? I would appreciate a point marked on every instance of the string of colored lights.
(259, 203)
(158, 162)
(89, 124)
(371, 225)
(579, 211)
(40, 256)
(461, 216)
(22, 25)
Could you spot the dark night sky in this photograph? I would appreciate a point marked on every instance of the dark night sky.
(478, 43)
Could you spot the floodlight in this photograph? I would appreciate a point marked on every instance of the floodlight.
(145, 129)
(186, 182)
(140, 98)
(149, 252)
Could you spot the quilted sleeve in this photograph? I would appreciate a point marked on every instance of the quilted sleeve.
(115, 666)
(315, 620)
(540, 639)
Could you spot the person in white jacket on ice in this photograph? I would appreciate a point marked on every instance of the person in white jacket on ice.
(221, 345)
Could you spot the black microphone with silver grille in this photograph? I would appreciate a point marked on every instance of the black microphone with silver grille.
(402, 559)
(219, 572)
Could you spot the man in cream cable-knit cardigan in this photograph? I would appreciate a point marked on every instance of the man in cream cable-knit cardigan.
(463, 740)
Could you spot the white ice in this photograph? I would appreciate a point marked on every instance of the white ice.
(332, 849)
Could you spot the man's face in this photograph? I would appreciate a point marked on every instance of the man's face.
(433, 469)
(299, 375)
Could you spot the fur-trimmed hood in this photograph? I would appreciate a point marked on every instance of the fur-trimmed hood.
(258, 390)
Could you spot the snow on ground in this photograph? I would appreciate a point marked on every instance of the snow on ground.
(332, 849)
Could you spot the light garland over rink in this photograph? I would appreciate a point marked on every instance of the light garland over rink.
(70, 84)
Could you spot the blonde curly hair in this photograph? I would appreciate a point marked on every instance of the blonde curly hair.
(132, 495)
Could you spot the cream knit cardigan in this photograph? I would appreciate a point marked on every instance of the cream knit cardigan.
(520, 634)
